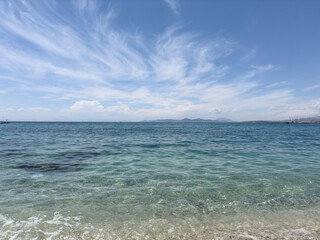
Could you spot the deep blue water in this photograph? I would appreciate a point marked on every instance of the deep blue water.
(120, 172)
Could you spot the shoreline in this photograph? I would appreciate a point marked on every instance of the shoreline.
(291, 224)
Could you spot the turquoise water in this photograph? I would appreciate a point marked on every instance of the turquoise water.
(159, 181)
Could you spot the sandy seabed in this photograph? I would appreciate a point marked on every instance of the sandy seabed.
(278, 225)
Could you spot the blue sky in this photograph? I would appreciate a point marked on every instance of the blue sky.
(132, 60)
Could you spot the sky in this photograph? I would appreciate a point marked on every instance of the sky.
(133, 60)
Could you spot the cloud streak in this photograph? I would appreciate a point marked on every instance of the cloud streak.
(174, 5)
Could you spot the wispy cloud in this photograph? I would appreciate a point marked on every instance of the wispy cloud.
(174, 5)
(65, 50)
(249, 55)
(184, 57)
(316, 86)
(32, 109)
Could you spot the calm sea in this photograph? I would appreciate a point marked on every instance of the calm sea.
(159, 181)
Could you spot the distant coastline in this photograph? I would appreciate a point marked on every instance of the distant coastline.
(196, 120)
(312, 120)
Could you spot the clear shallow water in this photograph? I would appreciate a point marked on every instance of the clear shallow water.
(159, 181)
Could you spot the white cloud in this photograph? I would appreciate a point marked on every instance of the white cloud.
(256, 70)
(263, 68)
(34, 109)
(104, 53)
(277, 84)
(312, 87)
(174, 5)
(183, 57)
(316, 103)
(87, 106)
(250, 54)
(300, 113)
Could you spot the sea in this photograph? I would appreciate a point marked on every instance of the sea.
(159, 181)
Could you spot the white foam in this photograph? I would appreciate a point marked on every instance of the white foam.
(17, 229)
(59, 226)
(246, 235)
(301, 230)
(37, 175)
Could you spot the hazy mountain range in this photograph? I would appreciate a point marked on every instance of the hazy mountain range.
(226, 120)
(192, 120)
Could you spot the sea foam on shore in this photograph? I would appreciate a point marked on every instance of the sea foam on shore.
(281, 225)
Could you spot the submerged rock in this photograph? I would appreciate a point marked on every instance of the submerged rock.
(50, 167)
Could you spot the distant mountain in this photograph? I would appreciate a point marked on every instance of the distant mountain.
(185, 120)
(226, 120)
